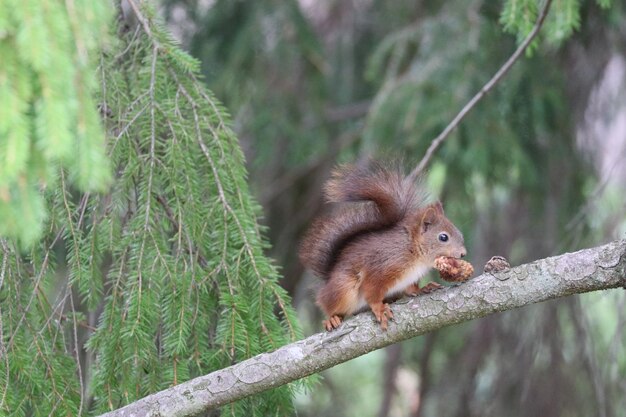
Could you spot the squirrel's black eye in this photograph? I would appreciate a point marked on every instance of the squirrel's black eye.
(443, 237)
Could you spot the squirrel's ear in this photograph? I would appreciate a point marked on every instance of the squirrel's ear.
(429, 217)
(438, 207)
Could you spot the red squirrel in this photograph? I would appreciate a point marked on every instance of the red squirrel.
(380, 240)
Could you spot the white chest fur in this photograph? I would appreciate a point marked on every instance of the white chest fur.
(410, 276)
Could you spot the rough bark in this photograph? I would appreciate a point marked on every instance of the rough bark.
(587, 270)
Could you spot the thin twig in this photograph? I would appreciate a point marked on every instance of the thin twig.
(483, 91)
(77, 352)
(4, 354)
(143, 21)
(36, 289)
(5, 258)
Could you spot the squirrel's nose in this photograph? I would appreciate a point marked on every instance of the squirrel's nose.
(463, 253)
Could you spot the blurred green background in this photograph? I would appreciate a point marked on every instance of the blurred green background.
(538, 168)
(131, 256)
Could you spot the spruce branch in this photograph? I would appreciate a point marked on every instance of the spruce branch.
(4, 355)
(593, 269)
(193, 92)
(36, 287)
(483, 91)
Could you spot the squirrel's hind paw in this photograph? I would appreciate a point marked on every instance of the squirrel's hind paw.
(332, 323)
(383, 314)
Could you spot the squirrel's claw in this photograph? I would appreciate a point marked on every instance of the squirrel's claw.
(430, 287)
(414, 290)
(332, 323)
(383, 314)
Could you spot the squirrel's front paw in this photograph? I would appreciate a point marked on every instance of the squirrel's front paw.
(383, 314)
(414, 289)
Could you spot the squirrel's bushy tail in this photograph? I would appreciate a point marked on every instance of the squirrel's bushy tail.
(386, 196)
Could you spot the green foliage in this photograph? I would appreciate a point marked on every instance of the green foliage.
(390, 76)
(164, 276)
(519, 16)
(225, 41)
(48, 115)
(563, 21)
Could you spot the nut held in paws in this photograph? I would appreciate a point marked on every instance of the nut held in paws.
(453, 269)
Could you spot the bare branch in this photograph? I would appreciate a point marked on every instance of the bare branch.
(483, 91)
(587, 270)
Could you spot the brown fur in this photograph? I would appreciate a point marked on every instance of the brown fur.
(378, 243)
(381, 197)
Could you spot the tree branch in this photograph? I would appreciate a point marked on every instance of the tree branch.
(483, 91)
(587, 270)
